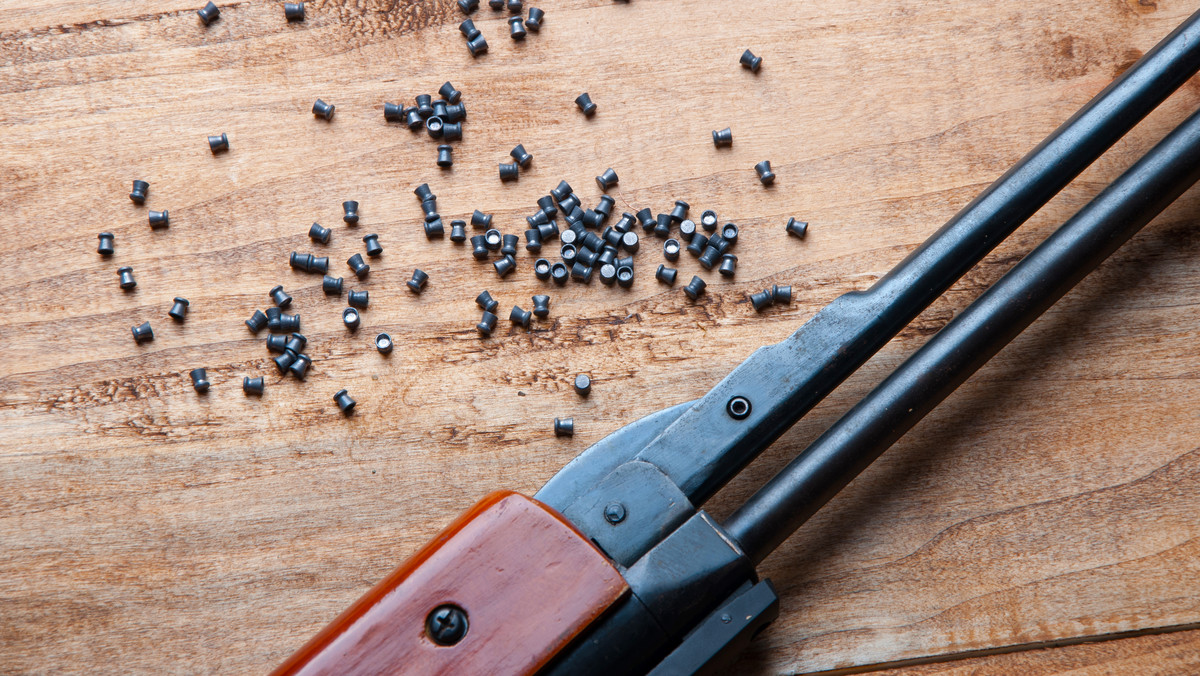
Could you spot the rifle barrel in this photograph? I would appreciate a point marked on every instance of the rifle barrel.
(967, 342)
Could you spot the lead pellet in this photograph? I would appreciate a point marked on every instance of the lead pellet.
(332, 286)
(253, 385)
(698, 244)
(561, 191)
(360, 268)
(468, 6)
(509, 172)
(723, 138)
(257, 321)
(625, 276)
(607, 180)
(458, 231)
(585, 104)
(709, 258)
(477, 45)
(384, 343)
(581, 272)
(299, 367)
(373, 247)
(277, 343)
(519, 316)
(292, 11)
(687, 229)
(359, 299)
(533, 240)
(666, 275)
(559, 273)
(534, 22)
(317, 233)
(480, 220)
(765, 175)
(781, 295)
(322, 109)
(541, 305)
(351, 318)
(448, 92)
(761, 300)
(199, 380)
(468, 29)
(505, 265)
(564, 427)
(344, 403)
(350, 212)
(418, 281)
(522, 156)
(694, 288)
(105, 248)
(159, 219)
(220, 143)
(749, 60)
(729, 233)
(671, 250)
(125, 277)
(479, 246)
(796, 228)
(508, 247)
(485, 301)
(142, 333)
(434, 228)
(283, 361)
(608, 274)
(445, 159)
(541, 269)
(728, 265)
(296, 343)
(138, 194)
(179, 309)
(280, 297)
(208, 13)
(486, 324)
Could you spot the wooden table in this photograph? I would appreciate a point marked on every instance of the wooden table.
(146, 529)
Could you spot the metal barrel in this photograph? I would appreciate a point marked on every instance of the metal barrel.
(967, 342)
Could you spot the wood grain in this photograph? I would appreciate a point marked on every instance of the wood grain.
(1052, 499)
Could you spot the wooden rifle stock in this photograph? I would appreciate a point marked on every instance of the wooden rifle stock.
(527, 580)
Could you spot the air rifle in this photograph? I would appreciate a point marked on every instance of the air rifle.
(614, 568)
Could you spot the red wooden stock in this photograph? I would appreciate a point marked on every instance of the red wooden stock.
(527, 579)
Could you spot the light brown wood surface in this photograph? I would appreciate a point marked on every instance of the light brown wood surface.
(146, 529)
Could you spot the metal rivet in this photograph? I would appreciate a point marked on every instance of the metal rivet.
(142, 333)
(208, 13)
(468, 29)
(125, 275)
(519, 316)
(671, 250)
(178, 309)
(446, 624)
(373, 247)
(257, 321)
(418, 281)
(199, 380)
(585, 104)
(458, 231)
(487, 324)
(485, 301)
(293, 11)
(781, 295)
(797, 228)
(614, 513)
(139, 192)
(541, 269)
(477, 45)
(666, 275)
(218, 143)
(360, 267)
(332, 286)
(765, 175)
(749, 60)
(279, 297)
(607, 180)
(625, 276)
(738, 407)
(345, 404)
(351, 318)
(252, 385)
(322, 109)
(105, 248)
(723, 138)
(159, 219)
(317, 233)
(359, 299)
(383, 343)
(541, 305)
(505, 265)
(728, 265)
(564, 427)
(694, 288)
(559, 273)
(534, 22)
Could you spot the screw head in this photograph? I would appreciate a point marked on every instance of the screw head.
(446, 624)
(738, 407)
(614, 513)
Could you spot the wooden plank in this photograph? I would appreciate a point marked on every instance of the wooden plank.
(1051, 499)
